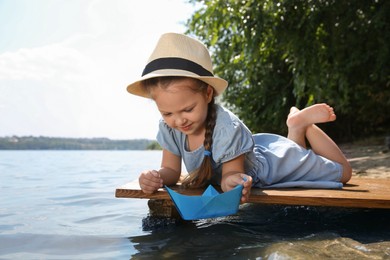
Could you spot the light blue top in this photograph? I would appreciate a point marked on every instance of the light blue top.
(271, 160)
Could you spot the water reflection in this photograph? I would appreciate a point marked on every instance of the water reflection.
(273, 232)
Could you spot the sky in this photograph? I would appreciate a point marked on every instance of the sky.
(65, 65)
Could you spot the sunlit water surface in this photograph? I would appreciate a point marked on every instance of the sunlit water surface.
(62, 205)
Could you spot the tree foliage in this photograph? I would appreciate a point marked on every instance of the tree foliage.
(278, 54)
(154, 145)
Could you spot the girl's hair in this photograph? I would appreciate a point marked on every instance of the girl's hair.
(201, 176)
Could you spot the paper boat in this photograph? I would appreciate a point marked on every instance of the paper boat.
(210, 204)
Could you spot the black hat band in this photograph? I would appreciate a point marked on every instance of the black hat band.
(176, 63)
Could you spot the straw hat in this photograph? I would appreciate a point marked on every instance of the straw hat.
(179, 55)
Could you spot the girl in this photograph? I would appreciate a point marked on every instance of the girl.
(214, 144)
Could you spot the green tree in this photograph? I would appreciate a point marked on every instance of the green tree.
(278, 54)
(154, 145)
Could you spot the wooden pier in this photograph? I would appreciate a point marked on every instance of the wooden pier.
(357, 193)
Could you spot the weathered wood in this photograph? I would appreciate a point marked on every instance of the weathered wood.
(358, 193)
(162, 208)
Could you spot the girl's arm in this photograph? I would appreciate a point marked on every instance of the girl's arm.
(233, 175)
(170, 168)
(169, 173)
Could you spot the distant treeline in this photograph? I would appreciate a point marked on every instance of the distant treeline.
(56, 143)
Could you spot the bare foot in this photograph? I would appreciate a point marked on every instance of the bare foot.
(318, 113)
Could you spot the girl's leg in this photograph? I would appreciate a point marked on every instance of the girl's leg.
(296, 133)
(301, 126)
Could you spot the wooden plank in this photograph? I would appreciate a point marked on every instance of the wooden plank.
(358, 193)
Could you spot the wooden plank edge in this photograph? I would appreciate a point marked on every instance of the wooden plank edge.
(322, 202)
(278, 200)
(266, 197)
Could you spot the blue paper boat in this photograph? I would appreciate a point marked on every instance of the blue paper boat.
(210, 204)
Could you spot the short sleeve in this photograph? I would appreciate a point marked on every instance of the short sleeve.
(168, 138)
(231, 137)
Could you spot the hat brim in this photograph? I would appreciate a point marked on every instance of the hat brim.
(136, 88)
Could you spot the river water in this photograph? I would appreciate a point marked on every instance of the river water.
(62, 205)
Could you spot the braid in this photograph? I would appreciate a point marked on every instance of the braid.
(210, 124)
(201, 177)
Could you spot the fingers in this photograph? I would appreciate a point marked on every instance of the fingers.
(150, 181)
(247, 184)
(236, 179)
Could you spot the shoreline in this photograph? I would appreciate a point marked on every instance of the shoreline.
(369, 158)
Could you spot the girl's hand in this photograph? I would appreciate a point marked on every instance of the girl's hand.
(150, 181)
(233, 180)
